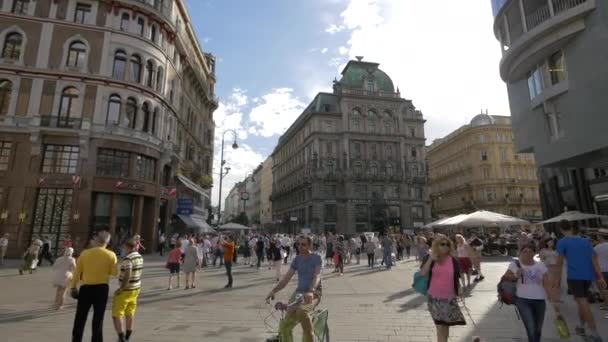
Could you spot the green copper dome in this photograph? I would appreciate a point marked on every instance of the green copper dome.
(355, 72)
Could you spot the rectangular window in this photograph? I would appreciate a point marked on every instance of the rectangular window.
(535, 83)
(490, 194)
(557, 68)
(52, 216)
(357, 150)
(60, 159)
(503, 154)
(6, 150)
(112, 163)
(82, 13)
(20, 6)
(361, 213)
(331, 213)
(554, 125)
(486, 173)
(145, 168)
(482, 139)
(414, 153)
(412, 132)
(416, 193)
(417, 213)
(484, 155)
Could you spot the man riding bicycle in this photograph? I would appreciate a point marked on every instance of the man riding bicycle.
(308, 266)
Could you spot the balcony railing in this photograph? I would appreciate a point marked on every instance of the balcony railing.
(564, 5)
(538, 17)
(370, 93)
(60, 122)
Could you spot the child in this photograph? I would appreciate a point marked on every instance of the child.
(173, 262)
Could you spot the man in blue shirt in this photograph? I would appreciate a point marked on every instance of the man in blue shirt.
(308, 266)
(583, 270)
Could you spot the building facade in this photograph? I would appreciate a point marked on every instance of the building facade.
(105, 118)
(233, 205)
(266, 193)
(354, 159)
(554, 68)
(476, 167)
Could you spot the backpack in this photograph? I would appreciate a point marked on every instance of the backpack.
(507, 289)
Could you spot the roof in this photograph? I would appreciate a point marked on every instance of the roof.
(355, 72)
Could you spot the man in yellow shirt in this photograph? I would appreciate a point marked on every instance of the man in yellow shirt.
(94, 268)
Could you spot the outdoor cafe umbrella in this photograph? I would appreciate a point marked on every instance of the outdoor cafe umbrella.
(574, 215)
(442, 222)
(233, 226)
(483, 218)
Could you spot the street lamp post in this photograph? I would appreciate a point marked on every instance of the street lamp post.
(222, 173)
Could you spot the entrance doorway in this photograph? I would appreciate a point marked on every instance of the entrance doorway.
(52, 217)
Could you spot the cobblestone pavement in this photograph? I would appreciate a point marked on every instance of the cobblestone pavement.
(364, 305)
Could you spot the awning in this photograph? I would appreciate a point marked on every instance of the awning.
(192, 186)
(196, 222)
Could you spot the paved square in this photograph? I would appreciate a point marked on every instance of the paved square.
(364, 305)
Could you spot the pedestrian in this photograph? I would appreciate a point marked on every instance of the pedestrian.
(443, 286)
(173, 241)
(329, 254)
(400, 247)
(583, 270)
(125, 297)
(206, 250)
(387, 247)
(246, 251)
(601, 249)
(340, 251)
(161, 243)
(63, 271)
(407, 244)
(45, 252)
(190, 264)
(464, 259)
(275, 255)
(173, 263)
(200, 245)
(422, 248)
(139, 247)
(475, 253)
(370, 249)
(533, 286)
(548, 255)
(259, 251)
(94, 268)
(3, 247)
(218, 253)
(67, 241)
(228, 246)
(30, 257)
(286, 244)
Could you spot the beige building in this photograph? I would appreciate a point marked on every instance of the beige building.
(265, 193)
(476, 167)
(353, 161)
(106, 119)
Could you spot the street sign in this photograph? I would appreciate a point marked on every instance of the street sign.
(185, 206)
(244, 196)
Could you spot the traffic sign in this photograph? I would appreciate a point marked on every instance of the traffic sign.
(185, 206)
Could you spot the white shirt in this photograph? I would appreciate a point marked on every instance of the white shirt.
(286, 242)
(253, 242)
(185, 244)
(602, 256)
(3, 242)
(532, 285)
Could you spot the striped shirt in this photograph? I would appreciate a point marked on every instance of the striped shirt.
(135, 263)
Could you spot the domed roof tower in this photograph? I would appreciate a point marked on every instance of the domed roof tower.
(358, 74)
(482, 119)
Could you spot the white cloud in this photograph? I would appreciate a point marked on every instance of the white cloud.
(342, 50)
(447, 65)
(276, 111)
(333, 29)
(324, 50)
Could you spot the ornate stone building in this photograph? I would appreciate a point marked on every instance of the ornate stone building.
(354, 159)
(477, 167)
(105, 119)
(266, 193)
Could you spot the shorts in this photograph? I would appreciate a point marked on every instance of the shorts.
(125, 303)
(173, 267)
(465, 264)
(579, 288)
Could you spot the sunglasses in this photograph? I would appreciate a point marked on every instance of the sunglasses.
(444, 244)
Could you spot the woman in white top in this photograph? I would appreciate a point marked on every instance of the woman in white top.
(548, 255)
(533, 286)
(464, 259)
(63, 269)
(190, 264)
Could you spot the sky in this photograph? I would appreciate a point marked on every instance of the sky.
(274, 56)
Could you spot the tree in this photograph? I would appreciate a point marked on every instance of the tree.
(242, 219)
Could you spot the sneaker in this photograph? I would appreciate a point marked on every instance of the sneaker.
(580, 331)
(482, 278)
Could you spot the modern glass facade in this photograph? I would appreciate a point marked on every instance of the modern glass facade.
(497, 5)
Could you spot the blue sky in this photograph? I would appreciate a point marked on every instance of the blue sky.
(275, 55)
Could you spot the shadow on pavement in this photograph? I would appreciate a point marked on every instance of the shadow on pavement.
(399, 295)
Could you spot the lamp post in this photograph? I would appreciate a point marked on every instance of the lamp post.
(222, 173)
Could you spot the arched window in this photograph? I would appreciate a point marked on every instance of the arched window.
(12, 46)
(77, 53)
(159, 79)
(136, 68)
(372, 120)
(155, 117)
(69, 96)
(131, 112)
(20, 6)
(358, 168)
(153, 33)
(140, 26)
(6, 89)
(114, 105)
(146, 113)
(388, 122)
(120, 65)
(149, 73)
(356, 120)
(125, 19)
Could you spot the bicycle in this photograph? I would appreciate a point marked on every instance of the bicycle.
(319, 319)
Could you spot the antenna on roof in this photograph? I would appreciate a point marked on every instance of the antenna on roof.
(359, 58)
